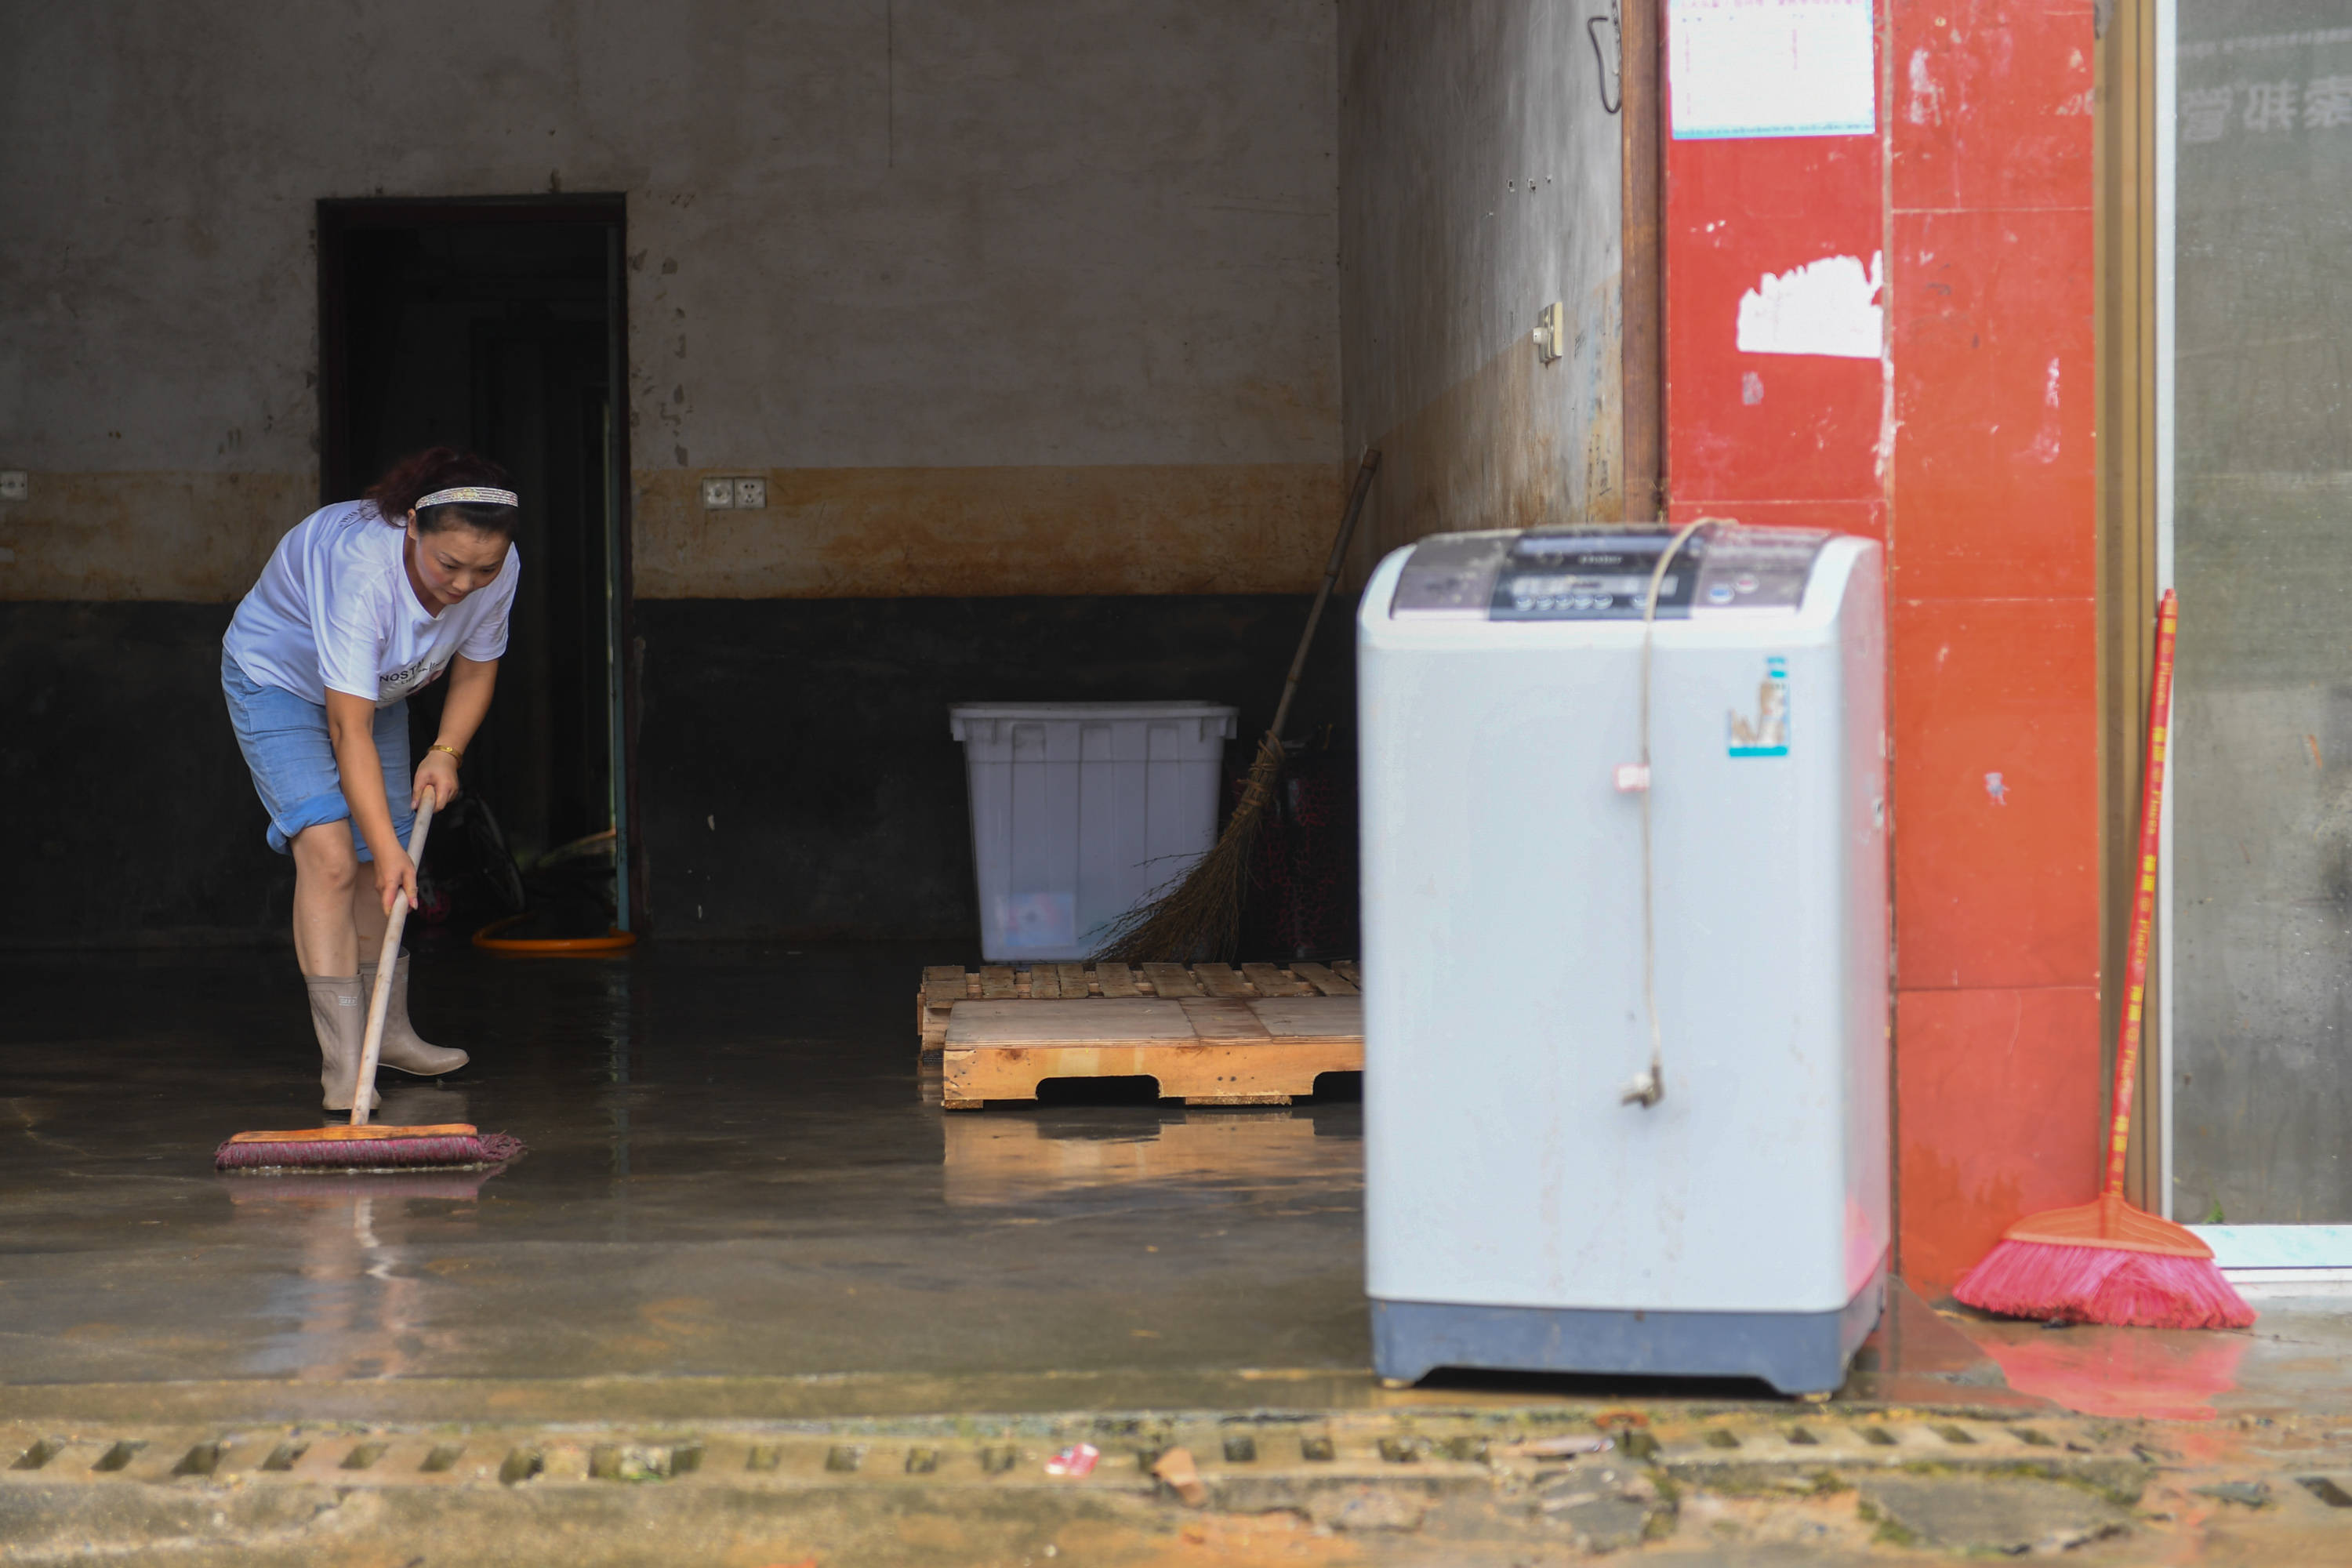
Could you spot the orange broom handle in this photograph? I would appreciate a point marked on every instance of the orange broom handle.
(2151, 804)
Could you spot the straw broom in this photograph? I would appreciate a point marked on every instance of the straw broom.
(2106, 1261)
(1199, 916)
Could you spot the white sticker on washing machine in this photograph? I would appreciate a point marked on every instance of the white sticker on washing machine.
(1766, 735)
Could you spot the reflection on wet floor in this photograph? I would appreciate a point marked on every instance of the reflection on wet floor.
(733, 1177)
(349, 1310)
(1026, 1156)
(731, 1173)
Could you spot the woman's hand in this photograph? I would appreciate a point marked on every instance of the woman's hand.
(395, 875)
(438, 773)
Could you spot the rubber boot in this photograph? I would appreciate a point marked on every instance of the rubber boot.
(339, 1011)
(401, 1048)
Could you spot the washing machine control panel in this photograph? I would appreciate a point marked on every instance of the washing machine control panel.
(1603, 573)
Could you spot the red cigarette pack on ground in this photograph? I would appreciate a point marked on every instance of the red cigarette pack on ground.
(1076, 1462)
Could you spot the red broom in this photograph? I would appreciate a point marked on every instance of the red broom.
(2106, 1261)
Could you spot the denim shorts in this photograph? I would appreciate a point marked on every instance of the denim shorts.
(284, 743)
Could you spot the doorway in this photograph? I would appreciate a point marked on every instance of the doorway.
(499, 326)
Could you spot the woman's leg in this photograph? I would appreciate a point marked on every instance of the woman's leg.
(326, 882)
(327, 945)
(368, 919)
(402, 1048)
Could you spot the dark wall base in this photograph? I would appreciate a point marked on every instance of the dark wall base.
(134, 821)
(795, 774)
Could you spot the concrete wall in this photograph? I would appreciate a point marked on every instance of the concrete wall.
(1031, 299)
(1478, 183)
(1005, 296)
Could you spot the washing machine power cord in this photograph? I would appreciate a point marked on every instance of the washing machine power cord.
(1649, 1086)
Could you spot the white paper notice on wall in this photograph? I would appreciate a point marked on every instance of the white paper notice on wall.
(1770, 68)
(1827, 307)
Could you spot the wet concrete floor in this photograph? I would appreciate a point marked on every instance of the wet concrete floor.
(739, 1204)
(744, 1232)
(733, 1175)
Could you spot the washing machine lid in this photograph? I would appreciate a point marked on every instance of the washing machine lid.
(1601, 572)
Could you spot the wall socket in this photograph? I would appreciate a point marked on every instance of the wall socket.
(734, 494)
(1551, 330)
(15, 484)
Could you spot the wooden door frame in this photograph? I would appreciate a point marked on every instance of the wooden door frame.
(1642, 345)
(2125, 250)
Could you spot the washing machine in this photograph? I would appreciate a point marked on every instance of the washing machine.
(1536, 1198)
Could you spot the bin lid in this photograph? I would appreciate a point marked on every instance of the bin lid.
(966, 712)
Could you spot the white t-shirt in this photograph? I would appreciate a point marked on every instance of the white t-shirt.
(334, 612)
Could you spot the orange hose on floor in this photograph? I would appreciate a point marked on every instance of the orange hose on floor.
(489, 940)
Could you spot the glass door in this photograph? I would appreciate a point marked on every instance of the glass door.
(2254, 286)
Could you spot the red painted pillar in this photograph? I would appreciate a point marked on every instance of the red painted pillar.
(1968, 448)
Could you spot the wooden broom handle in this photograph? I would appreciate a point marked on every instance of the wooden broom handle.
(2151, 808)
(380, 1003)
(1364, 484)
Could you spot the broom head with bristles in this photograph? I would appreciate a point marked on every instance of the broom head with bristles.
(1198, 916)
(450, 1145)
(2104, 1262)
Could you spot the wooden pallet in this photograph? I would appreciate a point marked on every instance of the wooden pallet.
(1210, 1034)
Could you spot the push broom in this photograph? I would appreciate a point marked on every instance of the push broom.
(1199, 915)
(2106, 1261)
(359, 1147)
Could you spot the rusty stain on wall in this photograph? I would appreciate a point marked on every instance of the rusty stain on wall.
(200, 538)
(1243, 527)
(1112, 245)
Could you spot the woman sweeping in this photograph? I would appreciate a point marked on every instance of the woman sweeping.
(364, 603)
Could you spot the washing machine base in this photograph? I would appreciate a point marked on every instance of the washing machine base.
(1796, 1352)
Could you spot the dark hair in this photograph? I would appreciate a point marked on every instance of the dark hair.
(441, 469)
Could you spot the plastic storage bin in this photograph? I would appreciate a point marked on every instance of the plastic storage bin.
(1082, 810)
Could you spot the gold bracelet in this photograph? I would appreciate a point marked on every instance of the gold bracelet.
(455, 753)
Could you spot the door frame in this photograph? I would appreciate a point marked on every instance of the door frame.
(340, 221)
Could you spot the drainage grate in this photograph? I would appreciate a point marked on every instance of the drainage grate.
(1428, 1448)
(201, 1460)
(2326, 1490)
(39, 1454)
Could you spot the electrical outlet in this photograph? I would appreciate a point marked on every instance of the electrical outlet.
(1551, 329)
(717, 493)
(15, 484)
(751, 495)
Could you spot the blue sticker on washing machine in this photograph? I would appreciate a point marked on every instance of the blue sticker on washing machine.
(1766, 735)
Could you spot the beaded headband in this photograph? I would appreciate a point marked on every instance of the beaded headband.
(478, 495)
